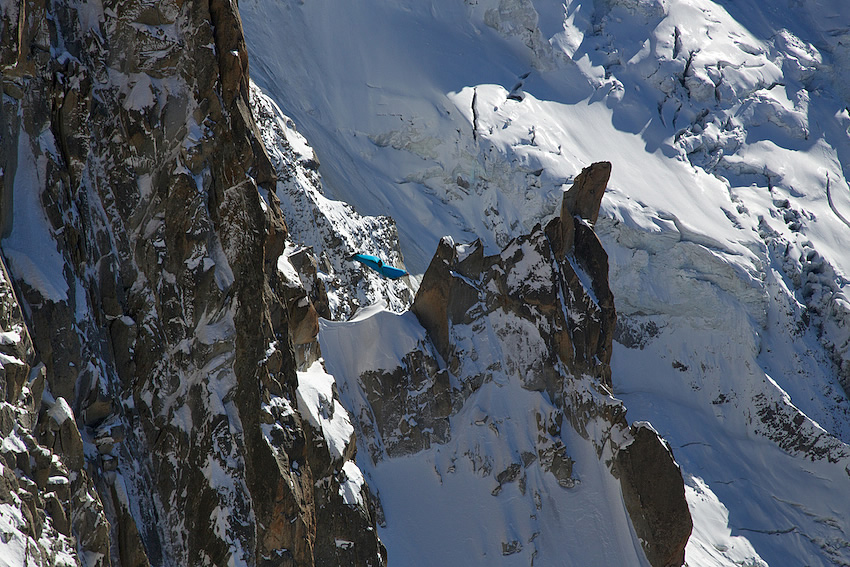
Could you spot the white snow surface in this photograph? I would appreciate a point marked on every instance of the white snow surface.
(725, 220)
(61, 411)
(383, 338)
(10, 337)
(316, 401)
(15, 542)
(351, 488)
(713, 544)
(30, 245)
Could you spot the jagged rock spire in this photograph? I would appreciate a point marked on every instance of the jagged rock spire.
(581, 201)
(585, 196)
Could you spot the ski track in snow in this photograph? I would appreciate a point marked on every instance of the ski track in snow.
(727, 126)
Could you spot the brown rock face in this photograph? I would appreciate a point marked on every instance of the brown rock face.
(654, 493)
(15, 344)
(145, 260)
(437, 299)
(42, 465)
(585, 196)
(582, 201)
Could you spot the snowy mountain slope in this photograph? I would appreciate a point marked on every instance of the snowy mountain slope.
(520, 468)
(725, 219)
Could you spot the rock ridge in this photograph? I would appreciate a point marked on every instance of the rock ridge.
(547, 291)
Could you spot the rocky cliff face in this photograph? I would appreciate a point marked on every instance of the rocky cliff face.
(534, 322)
(724, 222)
(147, 271)
(50, 511)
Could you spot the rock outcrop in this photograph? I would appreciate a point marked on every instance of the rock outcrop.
(543, 277)
(500, 373)
(654, 496)
(544, 304)
(143, 239)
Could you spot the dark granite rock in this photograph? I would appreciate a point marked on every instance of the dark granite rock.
(654, 493)
(163, 319)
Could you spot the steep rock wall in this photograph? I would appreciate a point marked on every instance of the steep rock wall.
(146, 265)
(50, 511)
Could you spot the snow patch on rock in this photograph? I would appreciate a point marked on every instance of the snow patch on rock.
(318, 402)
